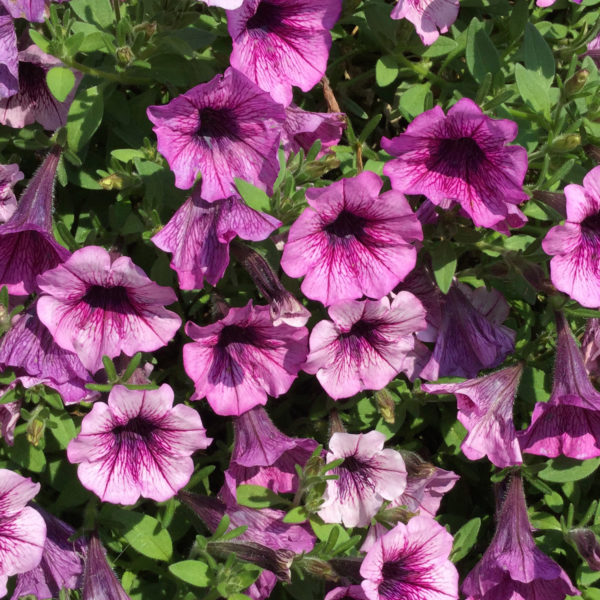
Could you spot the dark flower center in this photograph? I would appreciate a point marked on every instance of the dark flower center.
(135, 431)
(394, 575)
(216, 124)
(355, 476)
(460, 157)
(268, 17)
(234, 334)
(347, 225)
(115, 299)
(32, 77)
(362, 334)
(591, 225)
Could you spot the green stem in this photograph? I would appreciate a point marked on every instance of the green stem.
(118, 78)
(420, 70)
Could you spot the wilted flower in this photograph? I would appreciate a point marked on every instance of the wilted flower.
(411, 561)
(281, 43)
(97, 306)
(367, 476)
(9, 175)
(351, 241)
(485, 408)
(462, 157)
(587, 545)
(199, 233)
(138, 444)
(575, 244)
(225, 128)
(99, 581)
(239, 360)
(27, 244)
(428, 16)
(367, 343)
(513, 566)
(569, 423)
(22, 528)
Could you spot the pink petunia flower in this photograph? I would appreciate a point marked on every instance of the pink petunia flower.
(199, 233)
(569, 422)
(590, 347)
(513, 566)
(351, 241)
(97, 306)
(9, 175)
(22, 528)
(366, 344)
(351, 592)
(138, 444)
(239, 360)
(9, 415)
(27, 244)
(282, 43)
(367, 476)
(462, 157)
(430, 17)
(32, 10)
(225, 128)
(485, 408)
(411, 561)
(575, 245)
(9, 71)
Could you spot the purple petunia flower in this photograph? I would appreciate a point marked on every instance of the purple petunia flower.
(225, 128)
(226, 4)
(199, 233)
(22, 528)
(97, 306)
(367, 476)
(138, 444)
(242, 358)
(430, 17)
(593, 49)
(470, 337)
(513, 566)
(485, 408)
(27, 244)
(411, 561)
(32, 10)
(576, 244)
(352, 592)
(569, 423)
(9, 175)
(366, 344)
(587, 545)
(282, 43)
(351, 241)
(590, 347)
(29, 348)
(9, 415)
(9, 69)
(462, 157)
(99, 580)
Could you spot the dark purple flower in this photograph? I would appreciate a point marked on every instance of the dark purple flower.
(587, 545)
(199, 233)
(282, 43)
(513, 566)
(463, 158)
(223, 129)
(99, 581)
(351, 241)
(9, 175)
(569, 423)
(27, 244)
(590, 347)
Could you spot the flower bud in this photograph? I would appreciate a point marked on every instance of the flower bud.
(124, 56)
(566, 143)
(386, 405)
(4, 319)
(587, 545)
(35, 431)
(99, 582)
(575, 83)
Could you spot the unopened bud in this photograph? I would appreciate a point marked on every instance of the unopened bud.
(318, 168)
(318, 568)
(416, 467)
(114, 181)
(35, 431)
(593, 152)
(555, 200)
(386, 406)
(587, 545)
(394, 515)
(99, 582)
(124, 55)
(566, 143)
(575, 83)
(4, 319)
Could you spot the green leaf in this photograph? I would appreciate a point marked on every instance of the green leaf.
(481, 54)
(533, 88)
(441, 47)
(386, 71)
(296, 515)
(465, 539)
(39, 40)
(127, 154)
(85, 116)
(412, 101)
(193, 572)
(254, 197)
(60, 82)
(538, 56)
(563, 469)
(256, 496)
(99, 12)
(443, 259)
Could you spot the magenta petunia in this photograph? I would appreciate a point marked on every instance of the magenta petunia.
(199, 233)
(590, 347)
(22, 528)
(575, 246)
(282, 43)
(94, 306)
(99, 580)
(366, 344)
(593, 49)
(569, 422)
(430, 17)
(223, 129)
(138, 444)
(9, 53)
(462, 157)
(513, 566)
(9, 415)
(27, 244)
(485, 408)
(411, 561)
(367, 476)
(9, 175)
(351, 241)
(351, 592)
(237, 361)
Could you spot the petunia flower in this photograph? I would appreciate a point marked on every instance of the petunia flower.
(97, 306)
(485, 408)
(22, 528)
(411, 561)
(587, 545)
(9, 415)
(225, 128)
(199, 233)
(351, 241)
(367, 476)
(351, 592)
(99, 580)
(513, 566)
(462, 157)
(239, 360)
(569, 422)
(282, 43)
(593, 49)
(27, 244)
(430, 17)
(138, 444)
(575, 245)
(590, 347)
(32, 10)
(9, 54)
(9, 175)
(366, 344)
(226, 4)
